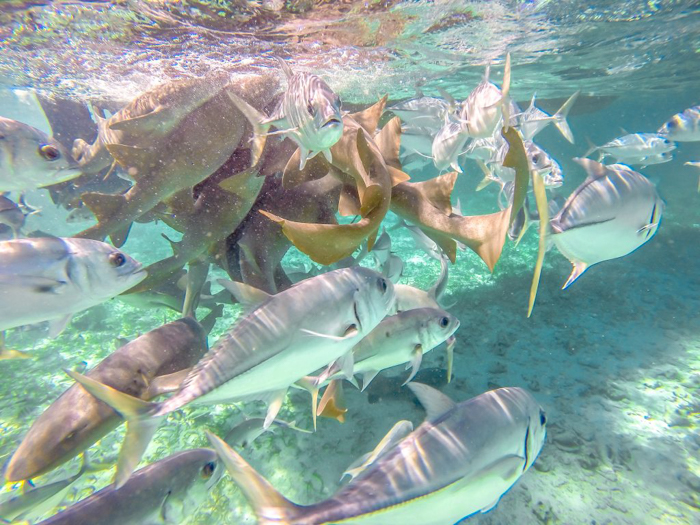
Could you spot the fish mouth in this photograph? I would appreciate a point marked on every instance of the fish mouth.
(333, 121)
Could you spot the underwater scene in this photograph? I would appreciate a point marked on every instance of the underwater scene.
(379, 262)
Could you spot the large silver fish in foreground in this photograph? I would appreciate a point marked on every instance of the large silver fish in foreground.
(611, 214)
(152, 364)
(30, 159)
(165, 492)
(51, 278)
(309, 114)
(286, 337)
(460, 461)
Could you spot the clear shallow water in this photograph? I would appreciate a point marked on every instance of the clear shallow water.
(614, 359)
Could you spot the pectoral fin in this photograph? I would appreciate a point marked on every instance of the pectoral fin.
(416, 358)
(332, 404)
(165, 384)
(56, 326)
(248, 296)
(274, 403)
(367, 378)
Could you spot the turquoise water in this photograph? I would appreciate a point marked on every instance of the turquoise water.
(614, 360)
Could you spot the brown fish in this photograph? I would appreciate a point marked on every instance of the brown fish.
(150, 365)
(196, 147)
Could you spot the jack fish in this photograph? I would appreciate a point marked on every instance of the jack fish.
(309, 114)
(152, 364)
(284, 338)
(610, 215)
(165, 492)
(30, 159)
(533, 119)
(52, 278)
(684, 126)
(459, 462)
(486, 105)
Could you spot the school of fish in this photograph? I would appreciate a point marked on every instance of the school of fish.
(245, 170)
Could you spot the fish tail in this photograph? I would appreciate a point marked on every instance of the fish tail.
(104, 207)
(140, 424)
(591, 148)
(269, 505)
(257, 120)
(560, 117)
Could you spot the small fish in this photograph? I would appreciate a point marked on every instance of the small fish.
(409, 297)
(151, 364)
(459, 462)
(403, 338)
(633, 148)
(37, 501)
(251, 428)
(30, 159)
(683, 127)
(422, 241)
(52, 278)
(487, 105)
(168, 491)
(309, 114)
(448, 145)
(79, 215)
(548, 168)
(533, 119)
(283, 338)
(610, 215)
(422, 111)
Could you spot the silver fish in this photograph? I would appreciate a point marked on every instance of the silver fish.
(459, 462)
(165, 492)
(309, 114)
(403, 338)
(149, 365)
(610, 215)
(283, 338)
(410, 297)
(533, 119)
(52, 278)
(683, 127)
(37, 501)
(487, 105)
(30, 159)
(448, 145)
(633, 148)
(425, 112)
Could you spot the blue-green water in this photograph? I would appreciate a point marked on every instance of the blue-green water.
(614, 360)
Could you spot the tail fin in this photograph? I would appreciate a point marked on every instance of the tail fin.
(560, 118)
(332, 404)
(140, 426)
(438, 289)
(269, 505)
(257, 120)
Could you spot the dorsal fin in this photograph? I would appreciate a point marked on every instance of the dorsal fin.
(369, 118)
(285, 67)
(435, 402)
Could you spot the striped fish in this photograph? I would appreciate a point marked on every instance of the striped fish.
(610, 215)
(309, 114)
(459, 462)
(284, 338)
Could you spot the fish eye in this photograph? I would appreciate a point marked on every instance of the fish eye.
(381, 282)
(208, 470)
(117, 259)
(543, 418)
(310, 109)
(444, 322)
(49, 152)
(535, 159)
(672, 124)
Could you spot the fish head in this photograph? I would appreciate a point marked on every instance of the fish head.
(321, 122)
(439, 325)
(30, 159)
(374, 297)
(105, 270)
(199, 472)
